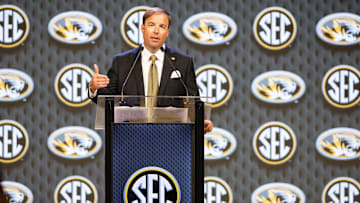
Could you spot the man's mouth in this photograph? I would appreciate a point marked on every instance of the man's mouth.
(155, 38)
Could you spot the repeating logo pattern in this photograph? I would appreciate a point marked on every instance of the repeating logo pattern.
(215, 83)
(339, 143)
(278, 192)
(274, 28)
(274, 143)
(75, 27)
(75, 189)
(74, 142)
(342, 189)
(152, 184)
(339, 29)
(17, 192)
(341, 86)
(278, 87)
(71, 84)
(130, 26)
(209, 28)
(14, 85)
(14, 26)
(14, 141)
(219, 143)
(217, 190)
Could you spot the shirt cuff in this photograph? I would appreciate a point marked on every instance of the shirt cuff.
(92, 95)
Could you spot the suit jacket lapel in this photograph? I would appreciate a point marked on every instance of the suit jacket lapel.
(165, 73)
(139, 78)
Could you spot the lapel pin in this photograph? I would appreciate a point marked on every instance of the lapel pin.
(172, 58)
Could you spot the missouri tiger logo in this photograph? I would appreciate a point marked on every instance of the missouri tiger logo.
(74, 142)
(340, 29)
(130, 26)
(216, 190)
(14, 141)
(75, 189)
(75, 27)
(15, 85)
(219, 143)
(342, 189)
(14, 26)
(71, 84)
(341, 86)
(279, 193)
(16, 192)
(274, 28)
(339, 144)
(152, 184)
(278, 87)
(209, 28)
(274, 143)
(215, 83)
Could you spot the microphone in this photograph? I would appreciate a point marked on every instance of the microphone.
(128, 75)
(176, 71)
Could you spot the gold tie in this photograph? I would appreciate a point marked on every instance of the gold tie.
(153, 84)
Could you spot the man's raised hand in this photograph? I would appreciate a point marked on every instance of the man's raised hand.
(98, 81)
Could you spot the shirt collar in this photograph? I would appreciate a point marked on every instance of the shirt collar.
(159, 54)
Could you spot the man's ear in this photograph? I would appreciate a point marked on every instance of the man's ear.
(142, 28)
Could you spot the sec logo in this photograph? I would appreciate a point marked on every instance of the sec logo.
(75, 189)
(130, 26)
(215, 83)
(341, 86)
(342, 189)
(71, 84)
(274, 143)
(14, 141)
(274, 28)
(152, 184)
(14, 26)
(217, 190)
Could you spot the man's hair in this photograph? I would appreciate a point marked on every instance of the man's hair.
(156, 10)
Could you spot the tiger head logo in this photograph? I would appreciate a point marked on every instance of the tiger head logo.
(74, 28)
(215, 145)
(278, 193)
(14, 195)
(278, 88)
(210, 30)
(15, 192)
(74, 143)
(219, 143)
(11, 86)
(342, 145)
(339, 29)
(278, 196)
(342, 30)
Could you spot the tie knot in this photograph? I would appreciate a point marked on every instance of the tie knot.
(153, 58)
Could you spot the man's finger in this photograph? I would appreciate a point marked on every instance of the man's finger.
(96, 69)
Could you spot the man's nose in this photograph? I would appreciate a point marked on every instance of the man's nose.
(156, 30)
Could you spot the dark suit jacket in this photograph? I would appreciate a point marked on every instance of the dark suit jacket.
(135, 85)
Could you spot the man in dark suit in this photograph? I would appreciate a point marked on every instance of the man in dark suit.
(175, 71)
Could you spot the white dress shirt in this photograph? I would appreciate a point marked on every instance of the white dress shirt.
(146, 63)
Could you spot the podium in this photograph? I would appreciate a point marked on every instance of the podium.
(152, 154)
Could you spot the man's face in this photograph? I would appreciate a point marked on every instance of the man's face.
(155, 31)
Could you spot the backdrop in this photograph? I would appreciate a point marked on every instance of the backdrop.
(42, 57)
